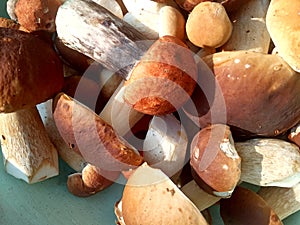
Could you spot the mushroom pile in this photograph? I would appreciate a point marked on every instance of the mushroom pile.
(184, 101)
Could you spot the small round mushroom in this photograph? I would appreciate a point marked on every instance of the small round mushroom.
(247, 207)
(37, 14)
(216, 166)
(164, 79)
(208, 25)
(90, 181)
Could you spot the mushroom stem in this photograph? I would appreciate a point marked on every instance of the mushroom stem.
(198, 196)
(119, 114)
(27, 150)
(284, 201)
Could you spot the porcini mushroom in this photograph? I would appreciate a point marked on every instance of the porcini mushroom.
(284, 201)
(157, 200)
(28, 152)
(90, 181)
(163, 80)
(37, 14)
(165, 145)
(269, 162)
(214, 160)
(282, 21)
(216, 28)
(273, 84)
(247, 207)
(90, 135)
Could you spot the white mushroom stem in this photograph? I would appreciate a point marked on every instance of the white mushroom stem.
(284, 201)
(72, 158)
(165, 145)
(120, 115)
(27, 150)
(198, 196)
(269, 162)
(249, 28)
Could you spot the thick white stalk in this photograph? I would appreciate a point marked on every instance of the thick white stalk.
(27, 150)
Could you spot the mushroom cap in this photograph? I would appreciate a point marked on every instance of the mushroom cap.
(163, 80)
(247, 207)
(208, 25)
(213, 156)
(31, 72)
(260, 91)
(37, 14)
(150, 197)
(282, 21)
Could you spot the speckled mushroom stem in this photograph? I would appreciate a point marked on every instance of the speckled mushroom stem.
(27, 150)
(92, 30)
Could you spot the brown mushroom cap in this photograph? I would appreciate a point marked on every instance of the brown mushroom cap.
(214, 161)
(247, 207)
(30, 70)
(261, 92)
(164, 79)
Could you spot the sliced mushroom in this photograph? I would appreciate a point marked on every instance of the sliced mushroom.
(214, 161)
(27, 150)
(150, 196)
(118, 113)
(269, 162)
(90, 135)
(247, 207)
(284, 201)
(165, 145)
(66, 152)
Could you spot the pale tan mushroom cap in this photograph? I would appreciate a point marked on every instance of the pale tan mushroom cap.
(150, 197)
(208, 25)
(283, 24)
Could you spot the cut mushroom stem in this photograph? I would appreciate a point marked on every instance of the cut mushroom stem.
(249, 28)
(27, 150)
(284, 201)
(165, 145)
(82, 24)
(119, 114)
(269, 162)
(198, 196)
